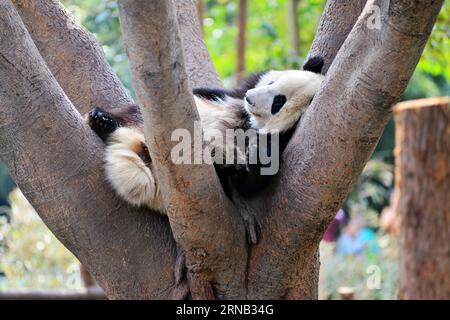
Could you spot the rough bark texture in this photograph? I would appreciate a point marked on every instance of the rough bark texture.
(79, 65)
(336, 23)
(423, 185)
(73, 56)
(192, 194)
(334, 140)
(56, 160)
(198, 63)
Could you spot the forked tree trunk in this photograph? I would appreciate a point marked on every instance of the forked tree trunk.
(57, 161)
(423, 183)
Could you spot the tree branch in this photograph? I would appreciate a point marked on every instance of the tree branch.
(198, 63)
(192, 194)
(337, 21)
(73, 55)
(78, 63)
(57, 164)
(336, 137)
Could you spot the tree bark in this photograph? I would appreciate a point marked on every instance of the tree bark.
(79, 65)
(334, 139)
(57, 163)
(198, 63)
(192, 194)
(336, 23)
(73, 56)
(423, 185)
(63, 48)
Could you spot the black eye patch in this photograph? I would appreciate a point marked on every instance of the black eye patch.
(278, 103)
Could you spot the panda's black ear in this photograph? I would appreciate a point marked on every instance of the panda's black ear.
(314, 64)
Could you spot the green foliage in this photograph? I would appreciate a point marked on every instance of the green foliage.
(267, 34)
(267, 38)
(436, 57)
(424, 85)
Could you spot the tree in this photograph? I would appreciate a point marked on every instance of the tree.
(423, 181)
(292, 17)
(52, 71)
(242, 26)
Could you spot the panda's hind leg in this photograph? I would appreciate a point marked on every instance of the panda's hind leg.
(102, 122)
(128, 168)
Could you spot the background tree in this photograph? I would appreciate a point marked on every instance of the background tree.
(242, 21)
(118, 244)
(423, 182)
(292, 17)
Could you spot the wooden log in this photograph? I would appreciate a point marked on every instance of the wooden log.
(423, 182)
(94, 293)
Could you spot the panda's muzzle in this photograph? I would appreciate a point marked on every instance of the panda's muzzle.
(250, 102)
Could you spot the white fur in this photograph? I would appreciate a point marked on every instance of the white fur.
(299, 88)
(216, 117)
(127, 173)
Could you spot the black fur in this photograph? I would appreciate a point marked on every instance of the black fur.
(102, 122)
(248, 181)
(211, 94)
(314, 64)
(214, 94)
(247, 84)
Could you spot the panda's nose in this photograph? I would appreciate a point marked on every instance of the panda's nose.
(248, 100)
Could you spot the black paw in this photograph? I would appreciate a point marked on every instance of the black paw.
(102, 123)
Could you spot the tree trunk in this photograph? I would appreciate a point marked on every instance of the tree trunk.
(57, 160)
(423, 182)
(242, 26)
(336, 23)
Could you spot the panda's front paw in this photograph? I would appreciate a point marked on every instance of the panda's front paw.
(102, 123)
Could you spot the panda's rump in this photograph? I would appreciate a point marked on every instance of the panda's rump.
(127, 171)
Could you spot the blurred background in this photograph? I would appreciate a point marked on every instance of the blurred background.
(359, 253)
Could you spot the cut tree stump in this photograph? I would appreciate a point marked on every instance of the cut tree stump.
(423, 182)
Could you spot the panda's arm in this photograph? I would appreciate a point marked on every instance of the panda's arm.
(248, 180)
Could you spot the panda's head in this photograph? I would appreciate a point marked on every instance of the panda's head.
(280, 97)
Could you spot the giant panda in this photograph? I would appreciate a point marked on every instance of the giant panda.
(273, 100)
